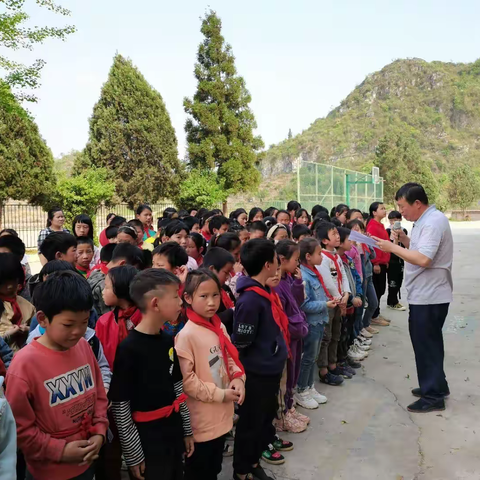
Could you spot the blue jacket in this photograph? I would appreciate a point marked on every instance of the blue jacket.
(260, 342)
(315, 304)
(6, 353)
(8, 439)
(353, 278)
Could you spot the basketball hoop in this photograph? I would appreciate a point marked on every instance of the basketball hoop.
(375, 175)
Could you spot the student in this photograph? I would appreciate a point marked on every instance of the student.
(10, 242)
(83, 227)
(59, 246)
(302, 217)
(300, 232)
(193, 224)
(258, 331)
(196, 247)
(292, 294)
(336, 282)
(316, 305)
(283, 217)
(6, 355)
(55, 222)
(15, 312)
(144, 214)
(113, 327)
(123, 254)
(84, 255)
(271, 212)
(213, 377)
(240, 216)
(380, 263)
(257, 230)
(292, 207)
(354, 214)
(8, 439)
(270, 222)
(395, 267)
(220, 262)
(218, 225)
(177, 231)
(255, 215)
(111, 233)
(318, 219)
(278, 233)
(242, 232)
(127, 234)
(139, 228)
(316, 209)
(340, 213)
(60, 409)
(105, 258)
(147, 397)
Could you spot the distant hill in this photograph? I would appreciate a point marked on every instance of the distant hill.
(439, 102)
(64, 164)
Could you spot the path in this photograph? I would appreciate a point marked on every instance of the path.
(364, 431)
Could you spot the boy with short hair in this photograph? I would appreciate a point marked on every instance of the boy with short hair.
(257, 229)
(55, 386)
(262, 346)
(60, 246)
(395, 266)
(85, 253)
(218, 225)
(299, 232)
(148, 402)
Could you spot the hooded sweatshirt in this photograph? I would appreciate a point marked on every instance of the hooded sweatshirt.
(256, 335)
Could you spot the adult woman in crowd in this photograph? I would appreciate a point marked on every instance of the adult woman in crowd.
(55, 222)
(83, 227)
(145, 215)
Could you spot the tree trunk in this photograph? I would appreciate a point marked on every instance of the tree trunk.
(224, 208)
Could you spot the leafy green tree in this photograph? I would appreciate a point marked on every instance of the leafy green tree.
(220, 127)
(26, 163)
(65, 163)
(201, 189)
(82, 193)
(132, 136)
(15, 35)
(463, 188)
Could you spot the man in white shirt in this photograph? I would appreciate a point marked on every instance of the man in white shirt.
(428, 256)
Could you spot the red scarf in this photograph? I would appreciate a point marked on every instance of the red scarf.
(206, 235)
(320, 279)
(278, 313)
(199, 260)
(333, 258)
(132, 313)
(226, 300)
(17, 313)
(82, 271)
(227, 347)
(101, 266)
(147, 232)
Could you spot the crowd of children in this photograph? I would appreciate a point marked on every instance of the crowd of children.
(161, 348)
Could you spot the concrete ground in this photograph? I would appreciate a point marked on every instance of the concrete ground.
(364, 432)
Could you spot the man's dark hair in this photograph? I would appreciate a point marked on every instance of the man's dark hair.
(217, 222)
(106, 252)
(111, 232)
(121, 278)
(176, 255)
(323, 230)
(57, 242)
(136, 223)
(258, 225)
(217, 257)
(394, 215)
(130, 253)
(118, 221)
(14, 245)
(299, 230)
(412, 192)
(150, 280)
(344, 233)
(63, 291)
(293, 205)
(255, 253)
(85, 241)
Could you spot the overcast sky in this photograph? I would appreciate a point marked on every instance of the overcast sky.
(299, 58)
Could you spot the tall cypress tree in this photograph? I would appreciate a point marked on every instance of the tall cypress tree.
(132, 136)
(220, 127)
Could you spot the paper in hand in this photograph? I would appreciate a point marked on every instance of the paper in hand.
(360, 238)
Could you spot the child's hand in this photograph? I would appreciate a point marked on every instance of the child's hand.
(96, 442)
(298, 273)
(231, 395)
(182, 273)
(357, 302)
(189, 445)
(239, 386)
(24, 328)
(74, 452)
(377, 269)
(138, 471)
(331, 304)
(344, 299)
(238, 267)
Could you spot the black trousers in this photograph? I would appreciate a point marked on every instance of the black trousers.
(255, 429)
(380, 284)
(425, 324)
(206, 461)
(395, 280)
(346, 337)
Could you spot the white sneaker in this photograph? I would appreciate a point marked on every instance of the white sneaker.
(364, 332)
(363, 340)
(318, 397)
(305, 400)
(359, 345)
(359, 350)
(355, 355)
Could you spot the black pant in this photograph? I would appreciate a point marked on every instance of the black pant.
(346, 337)
(425, 324)
(255, 429)
(206, 461)
(380, 284)
(395, 280)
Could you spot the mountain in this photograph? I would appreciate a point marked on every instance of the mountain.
(437, 103)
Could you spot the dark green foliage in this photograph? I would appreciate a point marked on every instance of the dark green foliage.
(220, 127)
(132, 136)
(26, 163)
(463, 188)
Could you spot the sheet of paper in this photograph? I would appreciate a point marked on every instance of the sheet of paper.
(360, 238)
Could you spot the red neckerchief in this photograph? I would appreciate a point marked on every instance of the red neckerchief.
(199, 260)
(82, 271)
(226, 300)
(227, 347)
(17, 313)
(320, 279)
(278, 313)
(147, 232)
(337, 266)
(100, 266)
(206, 235)
(133, 314)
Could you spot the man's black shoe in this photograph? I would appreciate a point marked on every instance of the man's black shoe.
(260, 474)
(416, 392)
(423, 406)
